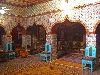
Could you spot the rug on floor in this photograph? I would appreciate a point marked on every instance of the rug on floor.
(73, 57)
(44, 68)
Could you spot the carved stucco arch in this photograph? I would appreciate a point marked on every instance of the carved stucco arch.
(17, 25)
(41, 25)
(11, 22)
(66, 17)
(6, 31)
(30, 21)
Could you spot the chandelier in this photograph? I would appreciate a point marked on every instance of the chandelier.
(2, 12)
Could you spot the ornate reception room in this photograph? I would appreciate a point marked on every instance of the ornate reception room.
(49, 37)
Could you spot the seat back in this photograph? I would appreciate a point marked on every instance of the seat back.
(48, 47)
(90, 51)
(8, 46)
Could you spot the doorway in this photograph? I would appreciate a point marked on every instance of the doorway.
(68, 35)
(38, 37)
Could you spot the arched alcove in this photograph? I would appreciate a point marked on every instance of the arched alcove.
(17, 33)
(38, 37)
(68, 35)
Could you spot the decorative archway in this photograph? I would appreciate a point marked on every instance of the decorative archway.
(68, 32)
(17, 33)
(38, 37)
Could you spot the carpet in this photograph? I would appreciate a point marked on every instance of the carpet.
(45, 68)
(65, 63)
(33, 66)
(74, 57)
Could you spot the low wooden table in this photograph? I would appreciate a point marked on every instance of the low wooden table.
(24, 53)
(3, 55)
(17, 50)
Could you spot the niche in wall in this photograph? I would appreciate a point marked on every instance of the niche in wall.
(68, 33)
(62, 33)
(62, 40)
(77, 32)
(38, 35)
(41, 33)
(17, 33)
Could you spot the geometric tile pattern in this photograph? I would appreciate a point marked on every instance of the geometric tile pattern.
(9, 22)
(90, 39)
(44, 7)
(35, 9)
(88, 15)
(14, 10)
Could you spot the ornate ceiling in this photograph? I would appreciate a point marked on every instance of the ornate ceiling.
(23, 3)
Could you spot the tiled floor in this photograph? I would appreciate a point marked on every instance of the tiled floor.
(75, 57)
(19, 62)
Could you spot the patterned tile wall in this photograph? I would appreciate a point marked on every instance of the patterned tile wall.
(88, 16)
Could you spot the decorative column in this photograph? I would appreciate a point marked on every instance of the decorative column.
(91, 41)
(52, 39)
(54, 46)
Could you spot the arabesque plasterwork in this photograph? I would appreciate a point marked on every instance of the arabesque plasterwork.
(89, 16)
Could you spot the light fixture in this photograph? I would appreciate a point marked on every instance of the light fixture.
(67, 8)
(2, 12)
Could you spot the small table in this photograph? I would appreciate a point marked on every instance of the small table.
(3, 55)
(82, 51)
(17, 50)
(24, 53)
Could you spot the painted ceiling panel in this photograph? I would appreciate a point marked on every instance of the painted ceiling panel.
(24, 3)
